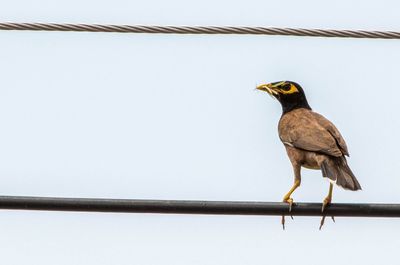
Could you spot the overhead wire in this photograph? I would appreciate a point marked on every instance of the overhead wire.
(196, 207)
(154, 29)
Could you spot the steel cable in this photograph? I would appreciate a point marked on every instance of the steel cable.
(202, 30)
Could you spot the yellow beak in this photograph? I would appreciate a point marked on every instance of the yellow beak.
(267, 88)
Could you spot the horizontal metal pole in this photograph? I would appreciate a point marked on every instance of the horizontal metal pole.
(195, 207)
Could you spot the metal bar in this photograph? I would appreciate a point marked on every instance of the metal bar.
(202, 30)
(195, 207)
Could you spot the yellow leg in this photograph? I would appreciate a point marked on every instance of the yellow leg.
(328, 198)
(289, 200)
(325, 203)
(287, 197)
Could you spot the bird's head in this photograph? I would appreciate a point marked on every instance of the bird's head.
(288, 93)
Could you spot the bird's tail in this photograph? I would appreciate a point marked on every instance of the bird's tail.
(337, 170)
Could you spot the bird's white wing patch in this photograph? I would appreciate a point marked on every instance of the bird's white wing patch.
(287, 143)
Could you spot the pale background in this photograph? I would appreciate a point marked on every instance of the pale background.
(176, 117)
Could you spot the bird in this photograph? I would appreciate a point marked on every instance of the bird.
(311, 141)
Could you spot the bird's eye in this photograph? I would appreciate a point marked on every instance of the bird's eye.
(286, 87)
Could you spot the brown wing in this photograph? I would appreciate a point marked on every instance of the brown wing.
(311, 131)
(333, 131)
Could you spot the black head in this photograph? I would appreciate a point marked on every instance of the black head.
(289, 94)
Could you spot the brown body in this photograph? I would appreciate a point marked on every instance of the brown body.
(294, 132)
(307, 139)
(314, 142)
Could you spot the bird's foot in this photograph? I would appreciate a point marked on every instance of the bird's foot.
(325, 203)
(290, 202)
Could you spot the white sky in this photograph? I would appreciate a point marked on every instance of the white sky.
(177, 117)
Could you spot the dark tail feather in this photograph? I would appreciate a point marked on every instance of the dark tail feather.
(337, 170)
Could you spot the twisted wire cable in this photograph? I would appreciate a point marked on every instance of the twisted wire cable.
(202, 30)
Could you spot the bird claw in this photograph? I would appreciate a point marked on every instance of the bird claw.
(290, 202)
(325, 203)
(322, 222)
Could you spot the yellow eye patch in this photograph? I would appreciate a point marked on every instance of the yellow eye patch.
(292, 90)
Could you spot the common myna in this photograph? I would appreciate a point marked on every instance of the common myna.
(311, 141)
